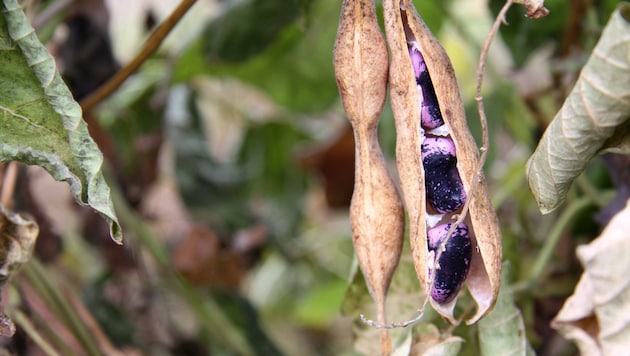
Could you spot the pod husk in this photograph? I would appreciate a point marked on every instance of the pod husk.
(376, 210)
(401, 23)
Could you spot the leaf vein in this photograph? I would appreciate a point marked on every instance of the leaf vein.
(13, 113)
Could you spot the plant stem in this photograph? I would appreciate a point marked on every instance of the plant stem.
(551, 242)
(30, 330)
(38, 278)
(8, 184)
(207, 309)
(587, 188)
(152, 44)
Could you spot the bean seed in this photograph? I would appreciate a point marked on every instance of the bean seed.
(454, 261)
(430, 116)
(445, 191)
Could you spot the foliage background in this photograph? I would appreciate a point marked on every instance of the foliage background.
(231, 166)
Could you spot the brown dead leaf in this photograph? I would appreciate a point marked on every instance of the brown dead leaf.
(535, 8)
(202, 260)
(17, 238)
(597, 316)
(167, 212)
(334, 161)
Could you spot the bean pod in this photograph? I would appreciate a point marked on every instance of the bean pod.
(422, 83)
(376, 211)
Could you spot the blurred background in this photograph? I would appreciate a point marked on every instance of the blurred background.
(231, 165)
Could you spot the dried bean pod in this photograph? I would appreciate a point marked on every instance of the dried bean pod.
(452, 267)
(376, 211)
(445, 191)
(403, 27)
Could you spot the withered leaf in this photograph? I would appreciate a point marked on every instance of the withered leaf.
(591, 119)
(17, 239)
(597, 315)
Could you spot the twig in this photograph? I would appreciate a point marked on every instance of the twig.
(8, 184)
(551, 242)
(152, 44)
(103, 343)
(402, 324)
(29, 329)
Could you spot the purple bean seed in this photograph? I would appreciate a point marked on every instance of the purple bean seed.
(438, 145)
(417, 60)
(445, 191)
(454, 261)
(430, 115)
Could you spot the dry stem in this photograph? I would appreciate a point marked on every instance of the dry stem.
(152, 44)
(8, 184)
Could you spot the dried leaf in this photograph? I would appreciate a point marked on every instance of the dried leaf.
(18, 235)
(597, 315)
(333, 160)
(40, 122)
(17, 240)
(7, 327)
(535, 8)
(596, 109)
(201, 260)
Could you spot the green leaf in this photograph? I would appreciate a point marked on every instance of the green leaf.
(502, 331)
(247, 28)
(596, 109)
(524, 36)
(41, 123)
(295, 69)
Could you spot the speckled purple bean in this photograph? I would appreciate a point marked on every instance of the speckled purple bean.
(430, 115)
(417, 61)
(445, 191)
(454, 261)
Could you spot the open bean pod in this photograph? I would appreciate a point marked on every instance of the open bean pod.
(410, 99)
